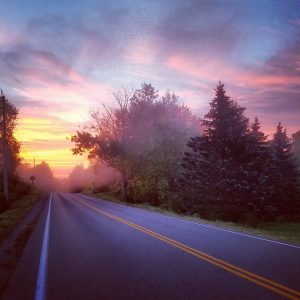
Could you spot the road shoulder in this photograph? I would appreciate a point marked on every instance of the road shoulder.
(287, 233)
(12, 246)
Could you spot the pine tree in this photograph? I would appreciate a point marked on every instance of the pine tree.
(296, 146)
(261, 166)
(286, 178)
(195, 183)
(216, 179)
(229, 172)
(255, 131)
(225, 126)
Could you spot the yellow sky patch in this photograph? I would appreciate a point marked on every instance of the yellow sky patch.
(46, 140)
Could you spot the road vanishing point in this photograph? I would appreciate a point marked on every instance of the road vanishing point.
(84, 248)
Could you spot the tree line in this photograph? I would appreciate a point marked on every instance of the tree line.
(142, 136)
(21, 178)
(221, 167)
(233, 172)
(10, 154)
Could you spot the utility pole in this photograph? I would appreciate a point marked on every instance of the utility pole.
(5, 152)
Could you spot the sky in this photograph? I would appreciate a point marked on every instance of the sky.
(61, 58)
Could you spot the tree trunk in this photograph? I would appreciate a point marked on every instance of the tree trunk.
(5, 153)
(124, 187)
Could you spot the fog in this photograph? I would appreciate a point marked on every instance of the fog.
(40, 176)
(95, 176)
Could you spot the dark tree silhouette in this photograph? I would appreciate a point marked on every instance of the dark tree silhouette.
(216, 167)
(10, 161)
(13, 145)
(286, 179)
(230, 172)
(296, 146)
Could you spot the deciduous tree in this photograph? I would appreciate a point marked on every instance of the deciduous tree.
(142, 135)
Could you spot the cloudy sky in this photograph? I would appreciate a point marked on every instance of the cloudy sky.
(59, 58)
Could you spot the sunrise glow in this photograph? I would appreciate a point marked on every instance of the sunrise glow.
(59, 61)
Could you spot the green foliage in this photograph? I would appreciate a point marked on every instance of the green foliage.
(17, 188)
(13, 145)
(102, 189)
(20, 206)
(286, 176)
(141, 189)
(163, 189)
(232, 173)
(143, 137)
(296, 147)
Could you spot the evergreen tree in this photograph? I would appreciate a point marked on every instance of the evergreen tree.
(216, 179)
(256, 132)
(225, 126)
(261, 166)
(286, 179)
(229, 170)
(296, 146)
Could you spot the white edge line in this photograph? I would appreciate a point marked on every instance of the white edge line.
(199, 224)
(41, 279)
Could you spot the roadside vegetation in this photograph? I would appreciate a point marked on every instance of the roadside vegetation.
(16, 196)
(14, 234)
(222, 167)
(279, 231)
(19, 208)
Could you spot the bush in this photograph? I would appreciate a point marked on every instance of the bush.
(17, 189)
(102, 189)
(21, 188)
(148, 190)
(77, 189)
(163, 190)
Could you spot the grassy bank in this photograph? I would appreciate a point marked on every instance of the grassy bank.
(10, 218)
(13, 249)
(286, 232)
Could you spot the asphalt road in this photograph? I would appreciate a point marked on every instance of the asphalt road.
(84, 248)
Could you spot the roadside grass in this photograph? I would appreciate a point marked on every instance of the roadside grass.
(13, 249)
(285, 231)
(10, 218)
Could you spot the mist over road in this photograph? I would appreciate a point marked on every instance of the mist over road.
(83, 248)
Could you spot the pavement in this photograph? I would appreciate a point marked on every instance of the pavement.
(86, 248)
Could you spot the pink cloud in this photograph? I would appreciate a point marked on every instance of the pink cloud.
(77, 90)
(54, 110)
(8, 35)
(217, 70)
(296, 22)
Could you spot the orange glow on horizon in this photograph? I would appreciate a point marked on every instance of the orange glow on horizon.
(43, 140)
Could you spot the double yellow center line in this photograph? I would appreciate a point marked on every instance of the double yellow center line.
(269, 284)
